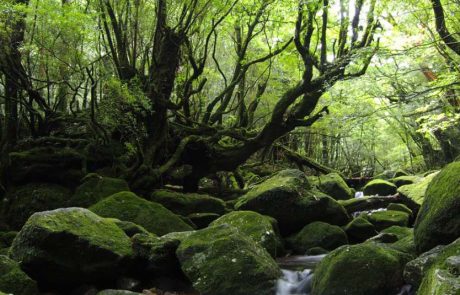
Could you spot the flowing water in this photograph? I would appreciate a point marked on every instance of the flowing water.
(297, 274)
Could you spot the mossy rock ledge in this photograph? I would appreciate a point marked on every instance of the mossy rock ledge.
(152, 216)
(438, 222)
(287, 196)
(219, 260)
(416, 192)
(263, 230)
(69, 247)
(13, 280)
(379, 187)
(363, 269)
(384, 219)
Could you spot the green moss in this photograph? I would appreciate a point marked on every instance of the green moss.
(130, 228)
(25, 200)
(400, 172)
(185, 204)
(14, 280)
(6, 238)
(416, 191)
(359, 230)
(318, 234)
(399, 207)
(72, 244)
(333, 185)
(385, 219)
(405, 236)
(438, 221)
(150, 215)
(95, 188)
(219, 260)
(379, 187)
(361, 269)
(261, 229)
(285, 198)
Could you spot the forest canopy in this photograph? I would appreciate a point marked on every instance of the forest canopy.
(175, 91)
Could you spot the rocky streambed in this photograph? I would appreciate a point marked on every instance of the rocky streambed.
(289, 234)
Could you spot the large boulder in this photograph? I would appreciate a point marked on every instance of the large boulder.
(387, 218)
(288, 197)
(13, 280)
(23, 201)
(68, 247)
(363, 269)
(333, 185)
(436, 271)
(359, 230)
(95, 188)
(186, 204)
(318, 235)
(379, 187)
(438, 221)
(416, 192)
(150, 215)
(63, 166)
(219, 260)
(261, 229)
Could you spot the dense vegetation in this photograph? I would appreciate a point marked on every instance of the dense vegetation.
(155, 138)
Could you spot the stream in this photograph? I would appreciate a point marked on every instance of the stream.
(297, 274)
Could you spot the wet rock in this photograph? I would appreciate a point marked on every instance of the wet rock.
(359, 230)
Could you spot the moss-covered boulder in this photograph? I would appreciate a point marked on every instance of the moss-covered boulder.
(129, 228)
(261, 229)
(363, 269)
(13, 280)
(387, 218)
(359, 230)
(25, 200)
(416, 192)
(150, 215)
(438, 221)
(405, 180)
(68, 247)
(318, 235)
(63, 166)
(287, 197)
(95, 188)
(436, 271)
(333, 185)
(379, 187)
(219, 260)
(185, 204)
(399, 207)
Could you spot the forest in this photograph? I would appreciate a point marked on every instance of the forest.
(232, 147)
